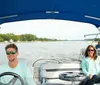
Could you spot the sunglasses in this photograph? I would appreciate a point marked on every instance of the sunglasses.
(11, 52)
(90, 50)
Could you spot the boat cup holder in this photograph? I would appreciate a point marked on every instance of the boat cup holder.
(72, 76)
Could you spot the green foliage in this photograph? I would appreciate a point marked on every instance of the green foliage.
(27, 37)
(23, 37)
(1, 39)
(95, 39)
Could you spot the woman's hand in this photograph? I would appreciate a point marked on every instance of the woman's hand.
(90, 76)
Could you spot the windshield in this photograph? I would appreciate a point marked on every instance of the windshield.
(46, 39)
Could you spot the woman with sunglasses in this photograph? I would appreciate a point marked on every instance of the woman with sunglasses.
(15, 66)
(91, 66)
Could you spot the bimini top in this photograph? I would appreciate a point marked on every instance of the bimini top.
(74, 10)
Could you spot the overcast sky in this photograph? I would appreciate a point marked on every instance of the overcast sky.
(59, 29)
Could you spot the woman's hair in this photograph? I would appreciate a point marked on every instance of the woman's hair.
(86, 52)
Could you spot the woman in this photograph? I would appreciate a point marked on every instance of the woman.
(91, 66)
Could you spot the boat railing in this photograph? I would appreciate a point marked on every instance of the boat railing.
(36, 67)
(46, 60)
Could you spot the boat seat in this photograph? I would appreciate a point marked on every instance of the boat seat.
(98, 51)
(49, 73)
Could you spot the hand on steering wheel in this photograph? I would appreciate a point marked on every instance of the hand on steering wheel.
(13, 80)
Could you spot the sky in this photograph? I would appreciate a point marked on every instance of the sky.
(55, 29)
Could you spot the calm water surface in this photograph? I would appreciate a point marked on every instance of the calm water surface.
(37, 50)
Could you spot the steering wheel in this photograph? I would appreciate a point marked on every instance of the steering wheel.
(13, 80)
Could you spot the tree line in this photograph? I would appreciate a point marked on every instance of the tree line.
(95, 39)
(22, 37)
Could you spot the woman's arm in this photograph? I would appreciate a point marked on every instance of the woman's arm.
(84, 67)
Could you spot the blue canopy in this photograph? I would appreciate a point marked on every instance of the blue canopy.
(74, 10)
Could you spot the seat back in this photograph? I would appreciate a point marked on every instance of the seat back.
(49, 72)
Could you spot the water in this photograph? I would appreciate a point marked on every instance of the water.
(32, 51)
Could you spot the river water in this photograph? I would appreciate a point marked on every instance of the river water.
(43, 50)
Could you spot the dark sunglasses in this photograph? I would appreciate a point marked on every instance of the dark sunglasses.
(10, 52)
(90, 50)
